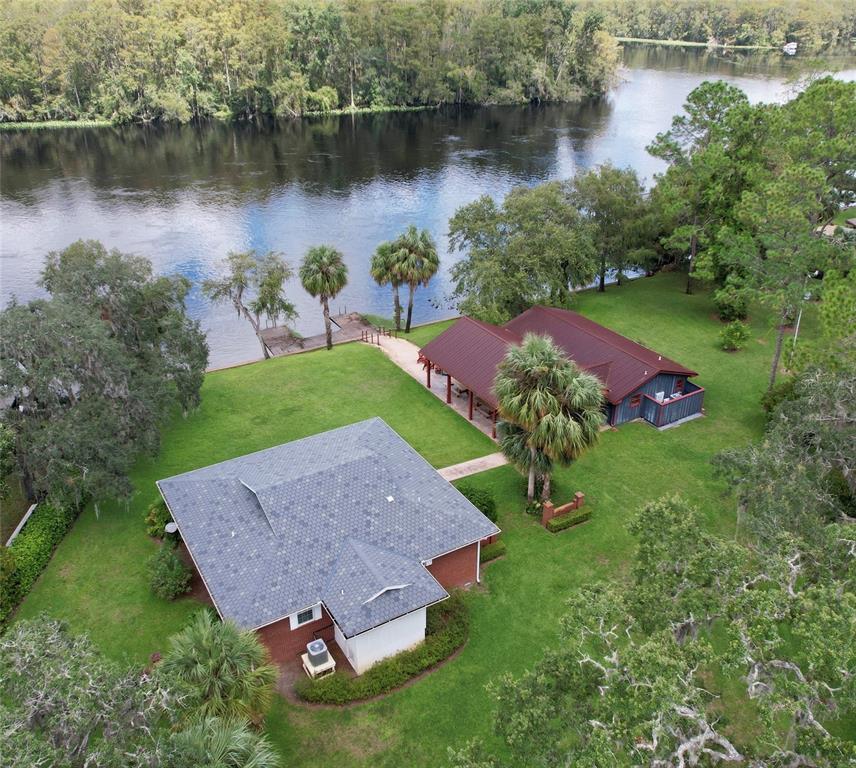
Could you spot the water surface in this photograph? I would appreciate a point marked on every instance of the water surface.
(185, 196)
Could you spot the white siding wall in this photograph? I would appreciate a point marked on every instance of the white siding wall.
(386, 640)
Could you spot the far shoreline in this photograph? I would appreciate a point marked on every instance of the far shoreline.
(696, 44)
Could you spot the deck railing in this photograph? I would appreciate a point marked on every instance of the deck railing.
(688, 404)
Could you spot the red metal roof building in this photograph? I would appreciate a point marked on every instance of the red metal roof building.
(638, 382)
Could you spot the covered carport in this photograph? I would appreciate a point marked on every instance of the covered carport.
(465, 356)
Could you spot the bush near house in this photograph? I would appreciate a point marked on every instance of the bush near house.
(481, 498)
(492, 551)
(157, 516)
(447, 630)
(566, 521)
(169, 575)
(30, 552)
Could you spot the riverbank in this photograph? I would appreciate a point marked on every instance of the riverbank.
(36, 125)
(694, 44)
(40, 124)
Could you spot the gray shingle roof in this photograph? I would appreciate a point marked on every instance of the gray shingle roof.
(311, 521)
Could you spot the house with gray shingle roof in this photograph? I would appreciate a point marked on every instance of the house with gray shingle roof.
(347, 535)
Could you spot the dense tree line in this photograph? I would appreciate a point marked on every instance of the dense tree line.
(185, 59)
(811, 23)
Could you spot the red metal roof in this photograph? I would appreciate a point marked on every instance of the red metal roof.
(470, 350)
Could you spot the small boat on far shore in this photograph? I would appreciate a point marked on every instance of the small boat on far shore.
(789, 48)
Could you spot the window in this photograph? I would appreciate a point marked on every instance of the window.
(304, 617)
(679, 386)
(635, 401)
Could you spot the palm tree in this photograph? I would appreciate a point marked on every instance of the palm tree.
(553, 402)
(514, 443)
(417, 262)
(223, 670)
(384, 271)
(324, 274)
(214, 742)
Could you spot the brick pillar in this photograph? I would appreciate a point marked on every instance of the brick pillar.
(579, 499)
(548, 512)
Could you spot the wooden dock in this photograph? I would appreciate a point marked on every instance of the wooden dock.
(347, 327)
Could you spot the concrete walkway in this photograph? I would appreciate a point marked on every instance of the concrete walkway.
(473, 466)
(405, 355)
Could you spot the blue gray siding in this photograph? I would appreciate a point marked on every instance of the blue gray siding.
(681, 409)
(664, 382)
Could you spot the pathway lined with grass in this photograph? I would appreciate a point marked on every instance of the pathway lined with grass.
(97, 579)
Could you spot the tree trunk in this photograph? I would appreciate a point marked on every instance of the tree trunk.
(410, 308)
(328, 329)
(265, 350)
(546, 489)
(530, 488)
(780, 337)
(693, 248)
(397, 307)
(601, 288)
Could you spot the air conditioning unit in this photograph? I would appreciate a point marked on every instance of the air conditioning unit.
(317, 652)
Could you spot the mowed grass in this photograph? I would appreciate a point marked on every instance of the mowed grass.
(515, 615)
(97, 578)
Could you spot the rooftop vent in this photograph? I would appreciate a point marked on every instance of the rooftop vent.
(390, 498)
(317, 652)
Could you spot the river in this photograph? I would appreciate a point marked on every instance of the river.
(185, 196)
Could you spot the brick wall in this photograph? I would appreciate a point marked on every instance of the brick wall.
(458, 568)
(286, 645)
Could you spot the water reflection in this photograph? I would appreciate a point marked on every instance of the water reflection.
(184, 196)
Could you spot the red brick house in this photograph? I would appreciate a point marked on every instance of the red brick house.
(349, 535)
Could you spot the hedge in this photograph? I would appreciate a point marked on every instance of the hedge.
(566, 521)
(492, 551)
(481, 498)
(447, 630)
(30, 552)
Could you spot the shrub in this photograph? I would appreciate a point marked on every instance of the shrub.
(446, 630)
(731, 300)
(220, 669)
(734, 336)
(34, 545)
(566, 521)
(169, 575)
(492, 551)
(10, 584)
(157, 516)
(22, 562)
(534, 507)
(782, 391)
(482, 499)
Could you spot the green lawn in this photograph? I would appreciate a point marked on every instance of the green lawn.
(97, 578)
(843, 215)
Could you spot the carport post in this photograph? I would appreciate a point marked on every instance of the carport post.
(448, 388)
(428, 375)
(472, 397)
(493, 431)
